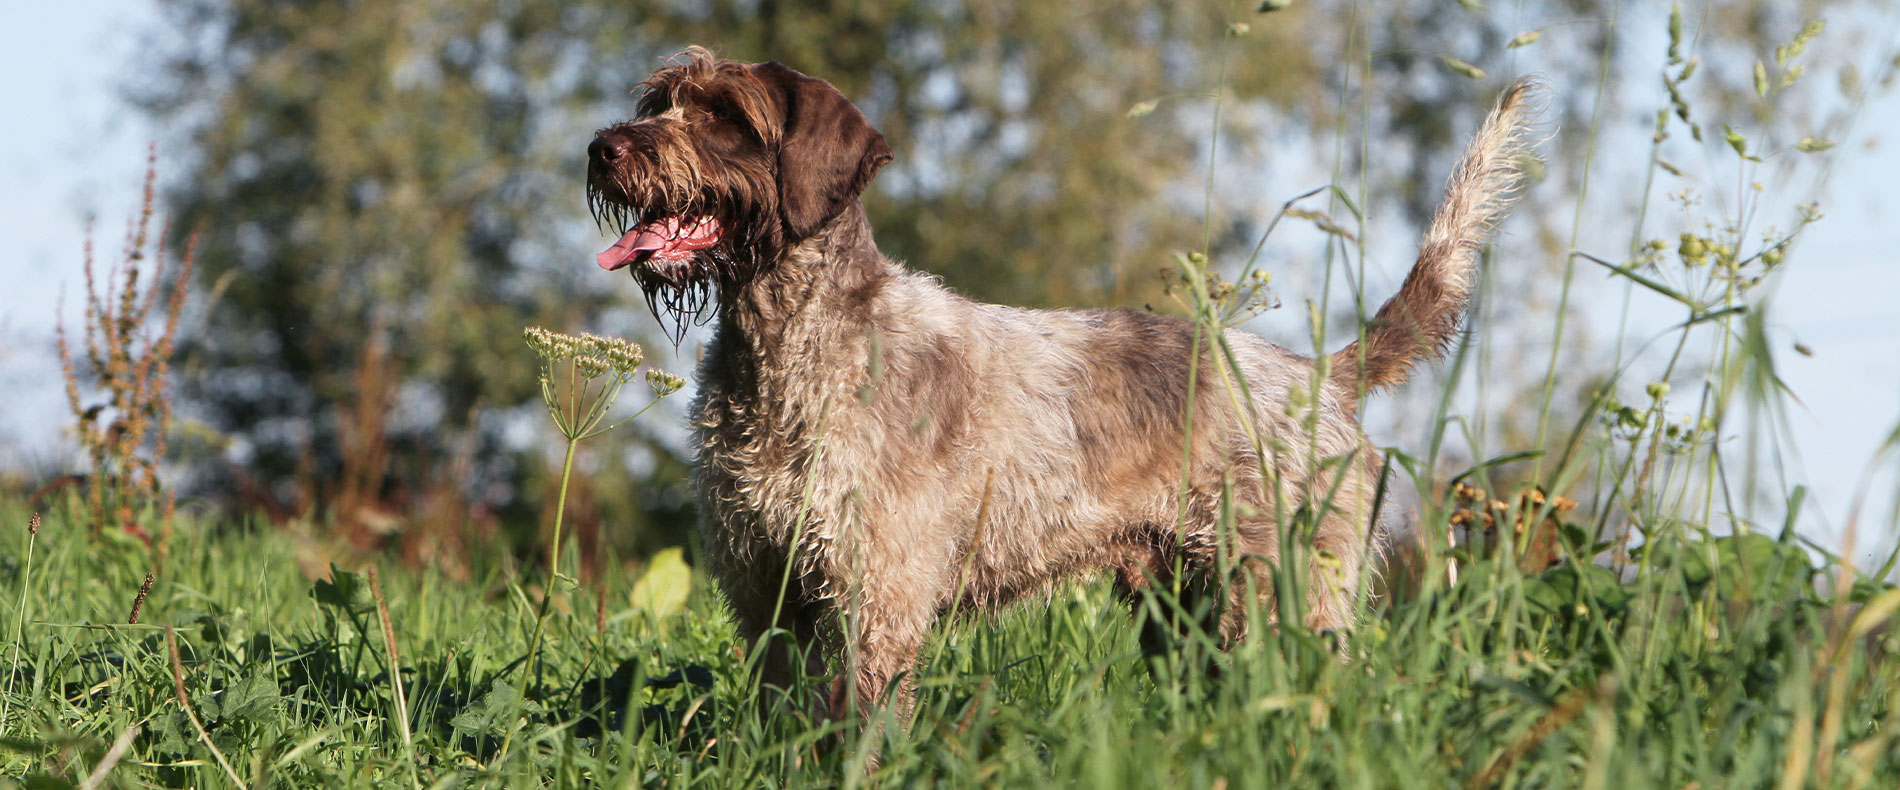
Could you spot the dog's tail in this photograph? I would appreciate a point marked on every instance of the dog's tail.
(1419, 323)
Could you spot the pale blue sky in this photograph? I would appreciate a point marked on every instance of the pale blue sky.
(70, 151)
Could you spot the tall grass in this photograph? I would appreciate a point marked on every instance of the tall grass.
(1721, 665)
(1615, 621)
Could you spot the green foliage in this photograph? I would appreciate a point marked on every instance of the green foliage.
(495, 714)
(380, 192)
(1575, 589)
(344, 591)
(1694, 671)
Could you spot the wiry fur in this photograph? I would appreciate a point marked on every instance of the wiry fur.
(855, 417)
(1420, 321)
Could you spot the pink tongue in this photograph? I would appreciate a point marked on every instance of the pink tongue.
(641, 239)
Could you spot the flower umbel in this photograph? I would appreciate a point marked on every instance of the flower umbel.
(597, 368)
(663, 383)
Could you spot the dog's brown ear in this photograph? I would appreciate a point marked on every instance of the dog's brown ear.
(827, 151)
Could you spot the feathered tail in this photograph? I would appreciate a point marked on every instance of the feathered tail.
(1420, 321)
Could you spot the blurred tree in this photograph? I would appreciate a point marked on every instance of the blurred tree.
(390, 191)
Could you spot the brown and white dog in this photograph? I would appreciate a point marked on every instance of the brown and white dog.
(874, 450)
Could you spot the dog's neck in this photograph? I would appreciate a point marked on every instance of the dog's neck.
(821, 291)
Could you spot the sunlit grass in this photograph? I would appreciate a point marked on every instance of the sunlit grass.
(1721, 665)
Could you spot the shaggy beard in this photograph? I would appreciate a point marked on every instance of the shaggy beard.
(692, 299)
(686, 295)
(677, 306)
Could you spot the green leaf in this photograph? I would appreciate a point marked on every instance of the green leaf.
(1562, 589)
(662, 590)
(495, 714)
(171, 733)
(40, 781)
(343, 590)
(1747, 567)
(252, 699)
(1758, 565)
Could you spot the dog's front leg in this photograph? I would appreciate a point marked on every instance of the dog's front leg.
(887, 628)
(793, 624)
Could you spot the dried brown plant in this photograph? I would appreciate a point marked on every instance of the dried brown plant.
(128, 353)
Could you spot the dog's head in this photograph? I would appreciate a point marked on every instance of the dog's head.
(725, 166)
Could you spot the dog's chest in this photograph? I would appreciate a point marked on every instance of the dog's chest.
(759, 439)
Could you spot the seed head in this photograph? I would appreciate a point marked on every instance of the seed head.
(551, 346)
(621, 355)
(591, 366)
(33, 525)
(593, 354)
(663, 383)
(139, 602)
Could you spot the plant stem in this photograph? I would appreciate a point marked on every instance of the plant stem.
(560, 507)
(547, 595)
(184, 701)
(401, 699)
(19, 622)
(1570, 262)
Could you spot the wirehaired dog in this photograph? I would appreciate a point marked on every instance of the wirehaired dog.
(874, 450)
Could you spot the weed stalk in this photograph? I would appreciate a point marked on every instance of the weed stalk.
(124, 436)
(184, 701)
(399, 698)
(19, 621)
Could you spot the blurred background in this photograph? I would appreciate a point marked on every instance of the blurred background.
(386, 193)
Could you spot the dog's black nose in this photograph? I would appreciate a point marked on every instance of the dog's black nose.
(608, 147)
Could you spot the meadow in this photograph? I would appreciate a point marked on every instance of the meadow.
(1601, 606)
(1723, 663)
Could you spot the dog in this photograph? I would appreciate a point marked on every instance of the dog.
(874, 451)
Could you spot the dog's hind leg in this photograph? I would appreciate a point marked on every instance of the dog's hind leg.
(1332, 552)
(1172, 591)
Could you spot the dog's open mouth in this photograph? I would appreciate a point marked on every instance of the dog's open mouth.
(669, 241)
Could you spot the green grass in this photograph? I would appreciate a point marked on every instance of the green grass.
(1722, 667)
